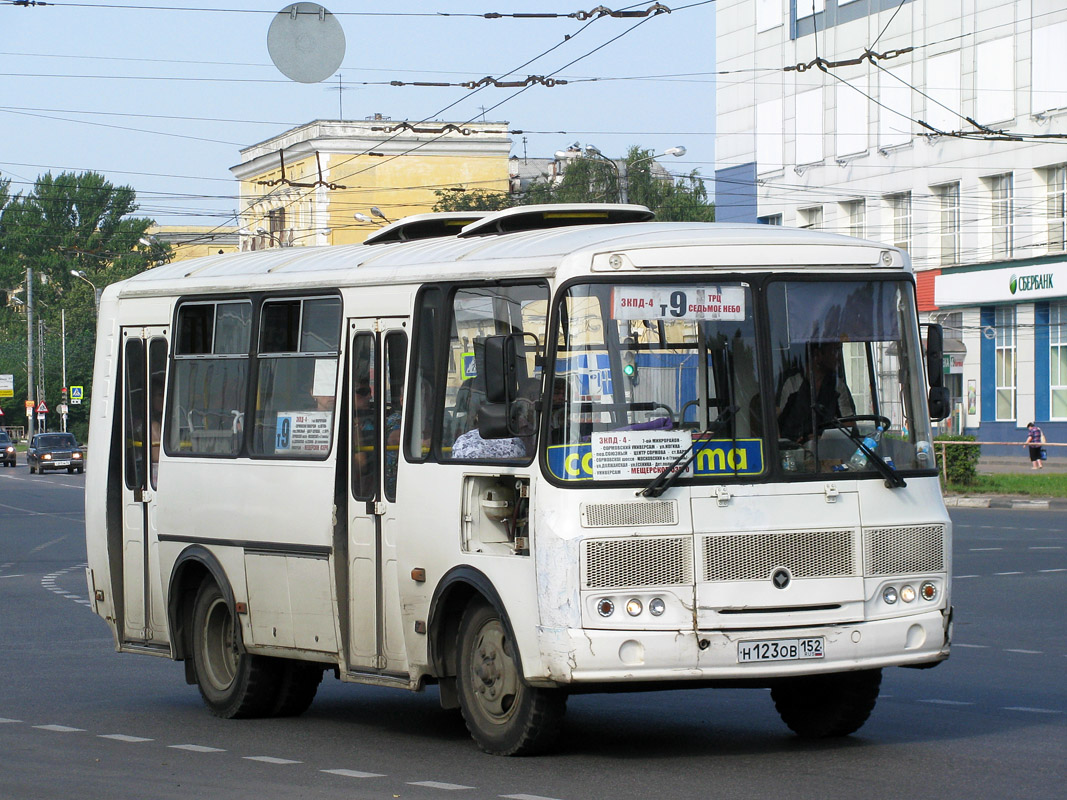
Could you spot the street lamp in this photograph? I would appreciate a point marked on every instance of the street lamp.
(592, 151)
(77, 273)
(273, 238)
(622, 173)
(365, 219)
(377, 212)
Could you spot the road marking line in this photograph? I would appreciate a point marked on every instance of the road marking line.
(947, 702)
(1050, 547)
(122, 737)
(48, 544)
(196, 748)
(351, 773)
(985, 549)
(12, 576)
(439, 785)
(526, 797)
(961, 577)
(974, 646)
(272, 760)
(6, 721)
(1027, 652)
(1032, 710)
(60, 728)
(1007, 573)
(1053, 570)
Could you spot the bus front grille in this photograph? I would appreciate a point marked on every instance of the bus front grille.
(615, 515)
(754, 556)
(634, 562)
(904, 550)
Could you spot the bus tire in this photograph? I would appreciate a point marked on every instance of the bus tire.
(822, 706)
(233, 683)
(504, 714)
(297, 688)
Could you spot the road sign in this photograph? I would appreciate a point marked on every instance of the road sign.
(7, 385)
(42, 408)
(76, 393)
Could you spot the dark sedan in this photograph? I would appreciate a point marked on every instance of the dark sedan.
(54, 451)
(7, 450)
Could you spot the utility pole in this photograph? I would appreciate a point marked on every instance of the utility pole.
(63, 402)
(32, 408)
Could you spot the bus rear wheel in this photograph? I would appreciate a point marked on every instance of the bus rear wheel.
(297, 688)
(232, 682)
(822, 706)
(504, 714)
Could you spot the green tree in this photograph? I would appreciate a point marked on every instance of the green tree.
(596, 180)
(66, 222)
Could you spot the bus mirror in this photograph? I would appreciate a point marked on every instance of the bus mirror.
(939, 402)
(935, 351)
(501, 368)
(493, 420)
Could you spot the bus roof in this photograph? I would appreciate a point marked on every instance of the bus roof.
(644, 245)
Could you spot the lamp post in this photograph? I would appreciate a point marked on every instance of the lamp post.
(377, 212)
(77, 273)
(273, 238)
(622, 172)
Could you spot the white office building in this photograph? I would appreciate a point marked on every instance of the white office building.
(939, 126)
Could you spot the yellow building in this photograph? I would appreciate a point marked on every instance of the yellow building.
(193, 241)
(318, 183)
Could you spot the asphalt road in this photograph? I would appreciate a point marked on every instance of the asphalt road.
(79, 720)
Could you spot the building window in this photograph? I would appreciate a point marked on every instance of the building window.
(949, 198)
(1005, 362)
(856, 214)
(1057, 208)
(1002, 224)
(1057, 357)
(770, 219)
(901, 208)
(811, 218)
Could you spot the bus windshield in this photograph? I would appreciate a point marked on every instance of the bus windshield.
(646, 373)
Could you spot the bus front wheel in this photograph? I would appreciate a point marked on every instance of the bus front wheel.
(821, 706)
(503, 713)
(232, 682)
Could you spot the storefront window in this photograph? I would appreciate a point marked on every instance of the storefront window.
(1005, 362)
(1057, 356)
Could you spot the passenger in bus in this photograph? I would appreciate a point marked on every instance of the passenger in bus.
(363, 427)
(472, 446)
(811, 400)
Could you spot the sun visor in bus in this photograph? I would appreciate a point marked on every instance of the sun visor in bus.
(425, 226)
(864, 311)
(533, 218)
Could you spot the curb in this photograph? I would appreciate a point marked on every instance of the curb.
(1006, 502)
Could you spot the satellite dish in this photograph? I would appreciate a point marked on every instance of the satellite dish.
(306, 43)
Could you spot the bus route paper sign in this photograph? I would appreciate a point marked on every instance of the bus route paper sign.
(303, 432)
(636, 454)
(678, 302)
(7, 385)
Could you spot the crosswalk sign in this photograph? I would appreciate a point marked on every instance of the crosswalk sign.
(76, 393)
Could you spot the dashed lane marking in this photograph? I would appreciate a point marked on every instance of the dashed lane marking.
(452, 787)
(1049, 547)
(123, 737)
(985, 549)
(961, 577)
(1061, 569)
(6, 721)
(271, 760)
(526, 797)
(939, 702)
(60, 728)
(1029, 710)
(1007, 573)
(1025, 652)
(352, 773)
(196, 748)
(974, 646)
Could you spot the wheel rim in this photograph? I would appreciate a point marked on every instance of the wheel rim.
(494, 676)
(220, 652)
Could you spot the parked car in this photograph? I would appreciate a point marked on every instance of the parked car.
(7, 450)
(54, 451)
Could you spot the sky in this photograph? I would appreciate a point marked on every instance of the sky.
(162, 95)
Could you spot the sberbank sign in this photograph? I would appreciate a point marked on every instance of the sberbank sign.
(1030, 283)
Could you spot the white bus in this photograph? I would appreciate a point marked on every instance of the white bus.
(519, 455)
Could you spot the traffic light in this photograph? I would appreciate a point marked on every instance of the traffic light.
(629, 361)
(63, 395)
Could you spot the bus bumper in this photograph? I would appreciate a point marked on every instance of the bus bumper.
(600, 656)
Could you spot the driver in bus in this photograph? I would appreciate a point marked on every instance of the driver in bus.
(811, 400)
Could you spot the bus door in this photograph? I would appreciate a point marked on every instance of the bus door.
(144, 370)
(379, 352)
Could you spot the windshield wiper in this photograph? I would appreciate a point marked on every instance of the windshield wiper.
(892, 479)
(669, 474)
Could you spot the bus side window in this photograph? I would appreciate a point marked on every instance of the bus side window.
(364, 419)
(395, 350)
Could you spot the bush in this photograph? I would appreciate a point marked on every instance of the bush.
(962, 459)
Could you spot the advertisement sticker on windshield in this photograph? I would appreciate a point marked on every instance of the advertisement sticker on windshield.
(678, 302)
(577, 462)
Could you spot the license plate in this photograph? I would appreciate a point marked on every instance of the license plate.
(60, 463)
(780, 650)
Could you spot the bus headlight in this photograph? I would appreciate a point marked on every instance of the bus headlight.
(634, 607)
(656, 606)
(889, 594)
(605, 607)
(907, 593)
